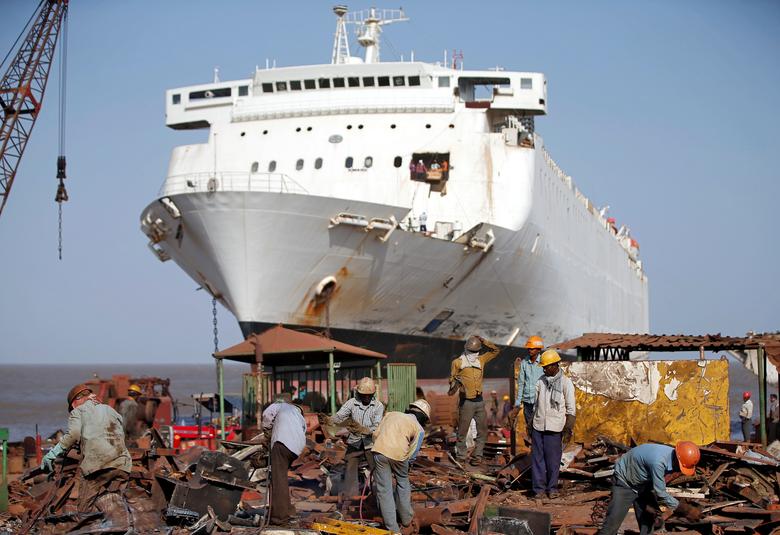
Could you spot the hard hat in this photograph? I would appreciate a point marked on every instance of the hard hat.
(506, 397)
(493, 392)
(75, 391)
(746, 395)
(134, 389)
(535, 342)
(688, 455)
(422, 405)
(473, 343)
(550, 356)
(366, 386)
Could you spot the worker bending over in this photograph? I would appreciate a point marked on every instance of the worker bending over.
(396, 444)
(466, 375)
(527, 376)
(639, 480)
(553, 424)
(365, 413)
(288, 439)
(97, 430)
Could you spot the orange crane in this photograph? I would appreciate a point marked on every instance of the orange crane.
(21, 93)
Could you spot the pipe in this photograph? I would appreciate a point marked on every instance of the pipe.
(427, 516)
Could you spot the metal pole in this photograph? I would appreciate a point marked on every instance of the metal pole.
(4, 481)
(332, 383)
(221, 379)
(379, 380)
(761, 355)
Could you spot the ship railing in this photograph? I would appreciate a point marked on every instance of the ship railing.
(211, 182)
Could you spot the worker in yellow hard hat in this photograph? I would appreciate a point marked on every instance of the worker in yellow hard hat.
(528, 374)
(553, 424)
(128, 409)
(365, 413)
(639, 480)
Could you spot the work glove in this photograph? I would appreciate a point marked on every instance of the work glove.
(47, 465)
(568, 429)
(691, 512)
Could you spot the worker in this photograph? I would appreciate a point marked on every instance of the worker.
(396, 444)
(365, 412)
(506, 409)
(493, 409)
(128, 409)
(105, 463)
(639, 480)
(552, 426)
(773, 418)
(284, 421)
(528, 374)
(466, 374)
(423, 222)
(746, 416)
(421, 170)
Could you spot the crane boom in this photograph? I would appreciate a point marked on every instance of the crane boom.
(23, 86)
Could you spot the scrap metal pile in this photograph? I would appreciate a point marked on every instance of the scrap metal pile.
(201, 491)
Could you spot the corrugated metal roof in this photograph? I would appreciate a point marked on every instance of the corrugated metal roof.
(283, 341)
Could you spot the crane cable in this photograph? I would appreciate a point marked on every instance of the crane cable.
(62, 193)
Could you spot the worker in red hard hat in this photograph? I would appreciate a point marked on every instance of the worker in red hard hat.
(746, 416)
(466, 374)
(639, 480)
(105, 464)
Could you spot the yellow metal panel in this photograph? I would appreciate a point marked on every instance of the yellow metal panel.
(661, 401)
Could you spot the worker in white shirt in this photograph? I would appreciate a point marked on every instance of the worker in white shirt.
(746, 416)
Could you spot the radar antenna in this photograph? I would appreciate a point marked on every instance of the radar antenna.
(340, 44)
(369, 24)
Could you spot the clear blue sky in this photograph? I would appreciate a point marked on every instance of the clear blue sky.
(665, 110)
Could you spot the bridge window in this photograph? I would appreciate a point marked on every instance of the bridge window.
(272, 166)
(397, 161)
(210, 93)
(254, 168)
(324, 83)
(526, 83)
(309, 84)
(398, 80)
(281, 86)
(295, 85)
(338, 82)
(444, 81)
(353, 81)
(176, 99)
(299, 164)
(368, 162)
(384, 81)
(348, 162)
(368, 81)
(318, 163)
(414, 80)
(243, 90)
(268, 87)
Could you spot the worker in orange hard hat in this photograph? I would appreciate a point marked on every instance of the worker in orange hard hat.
(105, 464)
(639, 479)
(528, 374)
(128, 409)
(746, 416)
(466, 374)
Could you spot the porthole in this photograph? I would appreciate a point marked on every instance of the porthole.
(254, 167)
(360, 127)
(427, 126)
(397, 161)
(348, 162)
(243, 134)
(298, 129)
(452, 126)
(272, 166)
(308, 129)
(392, 126)
(299, 164)
(369, 161)
(265, 132)
(349, 127)
(318, 163)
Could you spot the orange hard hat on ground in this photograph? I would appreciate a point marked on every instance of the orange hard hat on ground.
(688, 456)
(75, 391)
(534, 342)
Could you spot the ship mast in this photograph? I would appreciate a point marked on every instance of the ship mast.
(369, 24)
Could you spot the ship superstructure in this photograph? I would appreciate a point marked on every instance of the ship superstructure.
(306, 202)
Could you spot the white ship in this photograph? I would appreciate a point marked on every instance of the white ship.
(301, 207)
